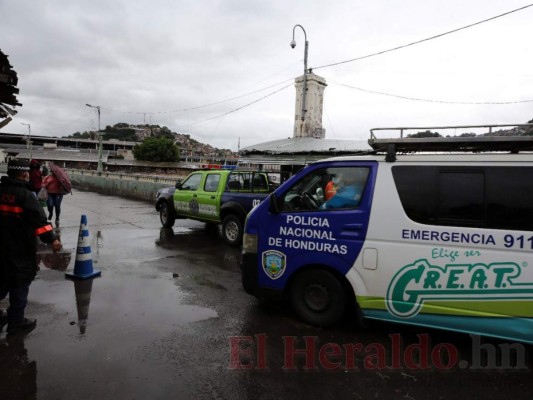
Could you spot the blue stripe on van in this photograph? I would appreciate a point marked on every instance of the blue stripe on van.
(508, 328)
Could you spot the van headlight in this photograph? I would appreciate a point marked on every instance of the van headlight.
(249, 243)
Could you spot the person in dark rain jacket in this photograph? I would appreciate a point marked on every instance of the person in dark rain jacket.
(36, 177)
(22, 219)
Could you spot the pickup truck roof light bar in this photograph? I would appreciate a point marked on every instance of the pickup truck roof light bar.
(391, 146)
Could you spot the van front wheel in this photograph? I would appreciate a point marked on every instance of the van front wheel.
(318, 297)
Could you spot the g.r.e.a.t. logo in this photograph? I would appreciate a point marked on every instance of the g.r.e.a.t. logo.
(274, 263)
(420, 281)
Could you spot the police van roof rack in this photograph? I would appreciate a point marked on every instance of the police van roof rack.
(488, 142)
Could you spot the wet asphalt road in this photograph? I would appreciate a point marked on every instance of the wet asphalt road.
(168, 319)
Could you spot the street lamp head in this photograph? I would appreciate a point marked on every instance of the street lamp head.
(293, 43)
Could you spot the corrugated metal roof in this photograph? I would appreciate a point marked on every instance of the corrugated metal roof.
(284, 159)
(307, 145)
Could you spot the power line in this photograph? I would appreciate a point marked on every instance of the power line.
(346, 85)
(432, 100)
(353, 87)
(424, 40)
(236, 109)
(68, 123)
(205, 105)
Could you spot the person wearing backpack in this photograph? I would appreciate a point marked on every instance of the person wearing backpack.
(55, 196)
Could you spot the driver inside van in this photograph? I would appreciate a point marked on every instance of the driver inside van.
(349, 195)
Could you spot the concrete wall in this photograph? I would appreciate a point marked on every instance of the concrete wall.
(135, 186)
(132, 186)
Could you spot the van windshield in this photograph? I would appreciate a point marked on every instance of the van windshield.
(327, 189)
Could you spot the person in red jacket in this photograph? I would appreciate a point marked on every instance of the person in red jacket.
(55, 196)
(22, 219)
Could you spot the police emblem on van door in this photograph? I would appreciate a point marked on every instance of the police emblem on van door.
(274, 263)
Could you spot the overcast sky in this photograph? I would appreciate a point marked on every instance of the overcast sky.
(194, 65)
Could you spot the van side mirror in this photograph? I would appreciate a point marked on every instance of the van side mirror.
(178, 184)
(273, 202)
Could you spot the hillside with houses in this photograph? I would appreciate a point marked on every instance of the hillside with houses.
(137, 133)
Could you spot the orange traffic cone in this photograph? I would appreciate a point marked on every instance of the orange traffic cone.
(83, 267)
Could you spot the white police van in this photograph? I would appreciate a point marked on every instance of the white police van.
(436, 232)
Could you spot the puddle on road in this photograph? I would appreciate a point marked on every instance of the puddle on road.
(138, 289)
(92, 328)
(187, 238)
(132, 247)
(114, 303)
(201, 246)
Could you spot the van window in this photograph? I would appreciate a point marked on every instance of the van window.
(461, 197)
(485, 197)
(327, 189)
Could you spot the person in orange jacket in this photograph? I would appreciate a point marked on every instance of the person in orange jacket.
(330, 190)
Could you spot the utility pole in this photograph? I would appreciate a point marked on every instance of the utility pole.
(28, 144)
(293, 45)
(99, 169)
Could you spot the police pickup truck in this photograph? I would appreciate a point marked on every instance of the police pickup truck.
(214, 196)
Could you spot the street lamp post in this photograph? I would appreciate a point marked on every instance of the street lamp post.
(293, 45)
(99, 168)
(28, 145)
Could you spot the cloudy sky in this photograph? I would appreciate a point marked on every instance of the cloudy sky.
(221, 70)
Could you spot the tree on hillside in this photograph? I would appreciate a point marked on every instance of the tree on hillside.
(529, 130)
(79, 135)
(166, 133)
(120, 131)
(424, 134)
(157, 150)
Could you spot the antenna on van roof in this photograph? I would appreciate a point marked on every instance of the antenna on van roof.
(487, 142)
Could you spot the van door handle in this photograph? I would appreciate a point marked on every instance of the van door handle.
(351, 231)
(194, 195)
(213, 197)
(353, 227)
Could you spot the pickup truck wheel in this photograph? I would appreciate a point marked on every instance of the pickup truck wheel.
(166, 216)
(318, 297)
(232, 230)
